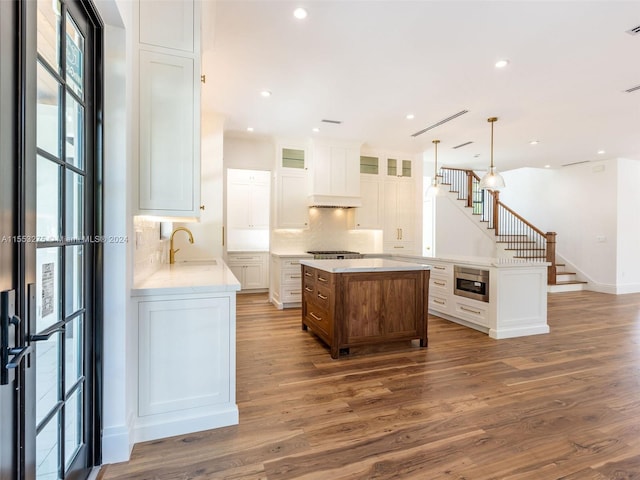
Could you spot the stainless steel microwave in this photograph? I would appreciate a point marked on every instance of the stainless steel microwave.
(471, 283)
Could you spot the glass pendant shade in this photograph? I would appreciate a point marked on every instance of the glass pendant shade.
(492, 180)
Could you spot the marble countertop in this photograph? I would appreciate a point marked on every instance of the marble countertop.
(290, 253)
(205, 276)
(363, 265)
(476, 261)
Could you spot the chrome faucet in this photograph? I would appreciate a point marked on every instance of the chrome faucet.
(172, 252)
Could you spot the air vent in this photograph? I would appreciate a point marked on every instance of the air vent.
(634, 30)
(575, 163)
(448, 119)
(462, 145)
(632, 89)
(335, 122)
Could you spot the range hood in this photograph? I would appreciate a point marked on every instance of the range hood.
(334, 201)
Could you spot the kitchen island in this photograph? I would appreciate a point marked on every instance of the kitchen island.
(356, 302)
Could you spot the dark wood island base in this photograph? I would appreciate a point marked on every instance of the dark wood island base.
(349, 309)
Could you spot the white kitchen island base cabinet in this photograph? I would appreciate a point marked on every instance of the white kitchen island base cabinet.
(186, 364)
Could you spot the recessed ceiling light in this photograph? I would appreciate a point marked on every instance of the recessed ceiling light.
(533, 142)
(476, 155)
(547, 166)
(265, 93)
(601, 152)
(300, 13)
(315, 129)
(249, 129)
(502, 63)
(410, 116)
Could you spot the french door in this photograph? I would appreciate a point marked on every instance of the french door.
(56, 290)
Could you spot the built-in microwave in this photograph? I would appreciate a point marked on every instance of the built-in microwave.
(471, 283)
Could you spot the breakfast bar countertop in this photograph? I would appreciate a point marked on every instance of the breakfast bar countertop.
(363, 265)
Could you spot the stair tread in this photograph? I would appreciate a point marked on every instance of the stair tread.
(571, 282)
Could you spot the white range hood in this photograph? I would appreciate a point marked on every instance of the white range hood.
(335, 174)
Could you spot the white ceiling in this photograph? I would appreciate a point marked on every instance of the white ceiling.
(370, 63)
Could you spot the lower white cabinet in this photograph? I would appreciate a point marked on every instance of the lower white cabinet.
(285, 289)
(186, 364)
(250, 268)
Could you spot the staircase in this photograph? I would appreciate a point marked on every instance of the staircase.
(515, 237)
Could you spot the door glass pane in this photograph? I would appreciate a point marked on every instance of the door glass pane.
(47, 287)
(75, 58)
(48, 117)
(74, 205)
(369, 165)
(72, 426)
(48, 225)
(47, 383)
(49, 32)
(292, 158)
(74, 278)
(73, 351)
(74, 147)
(47, 452)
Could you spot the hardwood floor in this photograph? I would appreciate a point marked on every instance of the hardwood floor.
(560, 406)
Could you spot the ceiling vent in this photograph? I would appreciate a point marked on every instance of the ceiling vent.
(335, 122)
(462, 145)
(574, 163)
(437, 124)
(634, 30)
(632, 89)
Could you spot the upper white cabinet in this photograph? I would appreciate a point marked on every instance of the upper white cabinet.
(291, 186)
(248, 196)
(335, 174)
(401, 212)
(169, 108)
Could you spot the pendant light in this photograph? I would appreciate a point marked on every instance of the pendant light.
(492, 180)
(434, 189)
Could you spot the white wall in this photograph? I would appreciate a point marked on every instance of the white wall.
(249, 154)
(117, 213)
(628, 241)
(458, 235)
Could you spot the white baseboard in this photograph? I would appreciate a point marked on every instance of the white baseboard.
(116, 444)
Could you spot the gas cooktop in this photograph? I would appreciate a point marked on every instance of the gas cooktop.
(332, 252)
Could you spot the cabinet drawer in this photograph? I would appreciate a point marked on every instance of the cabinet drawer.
(323, 278)
(438, 303)
(474, 312)
(444, 269)
(244, 259)
(292, 278)
(291, 294)
(317, 317)
(292, 263)
(323, 297)
(439, 284)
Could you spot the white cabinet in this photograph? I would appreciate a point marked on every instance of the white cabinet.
(335, 174)
(250, 268)
(186, 364)
(370, 214)
(168, 92)
(399, 216)
(291, 204)
(248, 198)
(285, 289)
(440, 286)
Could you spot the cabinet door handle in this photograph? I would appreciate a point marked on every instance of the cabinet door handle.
(322, 297)
(307, 289)
(439, 268)
(398, 246)
(307, 274)
(400, 234)
(440, 284)
(439, 302)
(322, 279)
(296, 276)
(315, 317)
(470, 310)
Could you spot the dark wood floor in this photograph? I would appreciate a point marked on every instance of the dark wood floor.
(563, 405)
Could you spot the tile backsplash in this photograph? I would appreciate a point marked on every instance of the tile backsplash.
(329, 229)
(150, 250)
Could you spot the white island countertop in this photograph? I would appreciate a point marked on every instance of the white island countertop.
(207, 276)
(363, 265)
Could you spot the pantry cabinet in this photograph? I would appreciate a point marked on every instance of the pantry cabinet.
(168, 99)
(399, 216)
(248, 196)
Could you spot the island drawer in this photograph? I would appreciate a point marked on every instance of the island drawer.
(318, 319)
(476, 312)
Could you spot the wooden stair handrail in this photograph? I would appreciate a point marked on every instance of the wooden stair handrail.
(549, 237)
